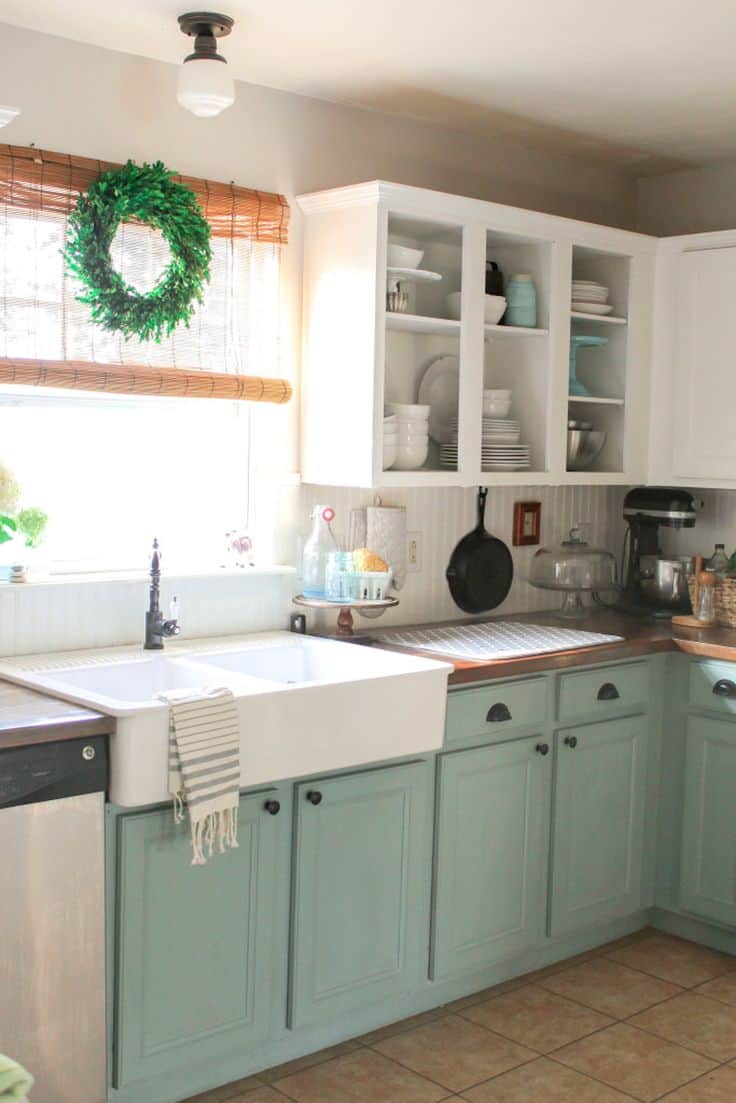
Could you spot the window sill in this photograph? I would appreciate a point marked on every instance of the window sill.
(111, 577)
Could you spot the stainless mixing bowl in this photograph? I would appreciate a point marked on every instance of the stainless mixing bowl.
(583, 446)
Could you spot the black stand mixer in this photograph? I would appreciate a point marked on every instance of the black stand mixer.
(652, 584)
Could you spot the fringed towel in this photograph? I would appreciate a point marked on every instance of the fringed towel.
(204, 766)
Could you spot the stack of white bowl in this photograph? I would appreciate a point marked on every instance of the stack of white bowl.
(412, 444)
(390, 441)
(590, 298)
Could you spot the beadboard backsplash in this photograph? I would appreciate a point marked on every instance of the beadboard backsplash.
(443, 515)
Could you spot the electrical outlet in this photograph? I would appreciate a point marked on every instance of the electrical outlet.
(414, 551)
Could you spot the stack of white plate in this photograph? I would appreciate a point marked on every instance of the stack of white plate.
(496, 430)
(494, 457)
(590, 298)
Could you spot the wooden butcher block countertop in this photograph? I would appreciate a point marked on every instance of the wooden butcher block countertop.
(27, 717)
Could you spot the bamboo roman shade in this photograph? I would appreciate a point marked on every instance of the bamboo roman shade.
(45, 334)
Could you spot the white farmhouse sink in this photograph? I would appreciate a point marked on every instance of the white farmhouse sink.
(306, 705)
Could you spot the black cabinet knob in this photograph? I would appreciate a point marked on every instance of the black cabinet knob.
(498, 713)
(314, 796)
(725, 688)
(542, 748)
(571, 741)
(273, 807)
(608, 692)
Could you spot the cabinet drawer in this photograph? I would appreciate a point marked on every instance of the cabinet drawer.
(603, 691)
(713, 686)
(493, 709)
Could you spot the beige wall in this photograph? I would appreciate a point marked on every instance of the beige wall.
(688, 202)
(100, 103)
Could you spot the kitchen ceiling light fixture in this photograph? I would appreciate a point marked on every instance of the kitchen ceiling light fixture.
(205, 86)
(7, 114)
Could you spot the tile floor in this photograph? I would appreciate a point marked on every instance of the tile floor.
(648, 1017)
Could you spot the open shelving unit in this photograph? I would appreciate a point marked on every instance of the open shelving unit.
(360, 355)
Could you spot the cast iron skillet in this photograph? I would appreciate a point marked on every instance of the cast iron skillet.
(481, 570)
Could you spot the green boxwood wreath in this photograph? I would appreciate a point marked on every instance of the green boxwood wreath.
(147, 194)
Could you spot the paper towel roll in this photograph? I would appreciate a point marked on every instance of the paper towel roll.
(357, 529)
(386, 535)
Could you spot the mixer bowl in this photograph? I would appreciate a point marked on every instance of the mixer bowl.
(583, 447)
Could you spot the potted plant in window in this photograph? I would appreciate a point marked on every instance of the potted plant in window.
(21, 531)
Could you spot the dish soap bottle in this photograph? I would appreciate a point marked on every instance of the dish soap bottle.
(718, 562)
(317, 548)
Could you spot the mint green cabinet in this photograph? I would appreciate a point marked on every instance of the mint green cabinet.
(491, 857)
(360, 912)
(194, 943)
(598, 828)
(708, 874)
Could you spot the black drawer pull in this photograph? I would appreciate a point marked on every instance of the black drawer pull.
(724, 687)
(608, 692)
(273, 807)
(314, 796)
(498, 713)
(571, 741)
(542, 748)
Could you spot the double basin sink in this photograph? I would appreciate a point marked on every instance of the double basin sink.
(306, 705)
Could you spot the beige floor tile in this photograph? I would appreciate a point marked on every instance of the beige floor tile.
(714, 1087)
(551, 970)
(263, 1094)
(278, 1072)
(227, 1092)
(675, 960)
(696, 1022)
(626, 940)
(544, 1081)
(634, 1062)
(400, 1026)
(454, 1052)
(363, 1076)
(610, 988)
(534, 1017)
(722, 988)
(485, 994)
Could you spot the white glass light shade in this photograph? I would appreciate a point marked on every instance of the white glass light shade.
(205, 87)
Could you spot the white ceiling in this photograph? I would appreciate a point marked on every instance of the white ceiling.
(645, 84)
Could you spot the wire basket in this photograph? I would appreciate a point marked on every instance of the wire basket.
(725, 600)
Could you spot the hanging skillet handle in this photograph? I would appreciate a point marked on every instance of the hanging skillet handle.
(482, 495)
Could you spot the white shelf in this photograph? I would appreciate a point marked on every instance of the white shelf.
(607, 319)
(516, 331)
(592, 401)
(417, 323)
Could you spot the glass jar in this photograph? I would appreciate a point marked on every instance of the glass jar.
(317, 549)
(705, 607)
(340, 577)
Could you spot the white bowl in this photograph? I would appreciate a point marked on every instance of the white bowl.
(390, 452)
(497, 392)
(408, 430)
(407, 412)
(496, 407)
(390, 430)
(494, 308)
(411, 456)
(401, 256)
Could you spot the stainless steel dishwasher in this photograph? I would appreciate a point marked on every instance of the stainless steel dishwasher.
(52, 916)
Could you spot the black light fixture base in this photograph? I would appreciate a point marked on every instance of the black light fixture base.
(196, 23)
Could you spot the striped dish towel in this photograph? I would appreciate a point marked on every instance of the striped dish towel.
(204, 766)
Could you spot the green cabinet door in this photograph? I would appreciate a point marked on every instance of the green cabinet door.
(194, 943)
(598, 823)
(491, 858)
(362, 871)
(708, 874)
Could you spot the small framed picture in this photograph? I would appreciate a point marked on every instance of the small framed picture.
(527, 523)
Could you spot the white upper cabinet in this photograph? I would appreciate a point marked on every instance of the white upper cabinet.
(364, 349)
(693, 437)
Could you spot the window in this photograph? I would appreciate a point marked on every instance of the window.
(112, 472)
